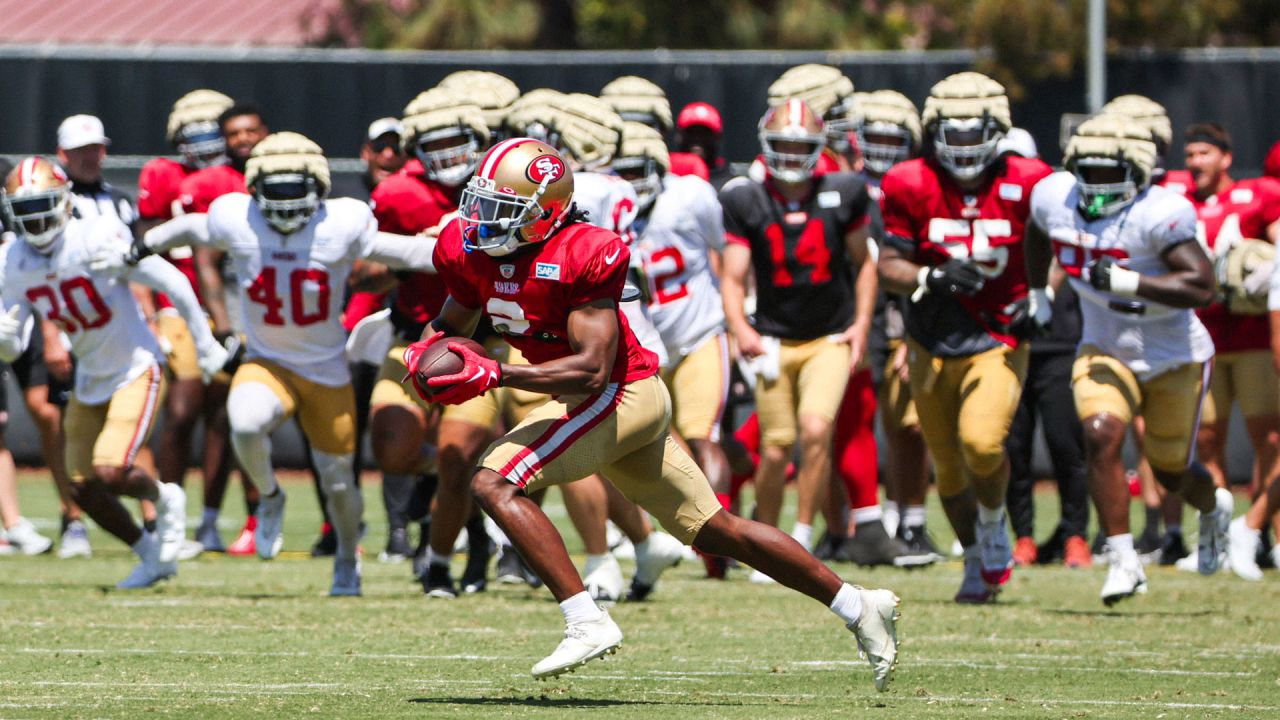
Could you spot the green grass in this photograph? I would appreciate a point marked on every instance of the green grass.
(234, 637)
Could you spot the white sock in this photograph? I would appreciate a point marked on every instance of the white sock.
(847, 604)
(144, 546)
(209, 516)
(913, 516)
(987, 515)
(642, 547)
(803, 534)
(867, 514)
(435, 559)
(596, 561)
(1121, 544)
(580, 608)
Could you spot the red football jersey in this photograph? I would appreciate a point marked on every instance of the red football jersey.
(683, 163)
(1243, 210)
(528, 295)
(408, 203)
(202, 187)
(923, 205)
(159, 190)
(1178, 181)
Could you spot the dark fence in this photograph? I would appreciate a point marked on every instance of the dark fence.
(331, 95)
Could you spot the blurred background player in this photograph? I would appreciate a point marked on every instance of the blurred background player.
(802, 237)
(242, 126)
(292, 247)
(381, 152)
(119, 379)
(699, 134)
(954, 223)
(1131, 253)
(194, 133)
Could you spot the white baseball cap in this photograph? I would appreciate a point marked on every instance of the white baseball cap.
(78, 131)
(382, 126)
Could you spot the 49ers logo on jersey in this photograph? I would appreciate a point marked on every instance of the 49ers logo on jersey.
(545, 167)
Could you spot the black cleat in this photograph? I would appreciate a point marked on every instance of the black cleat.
(397, 546)
(1173, 548)
(479, 550)
(326, 545)
(870, 546)
(828, 545)
(918, 546)
(512, 569)
(438, 583)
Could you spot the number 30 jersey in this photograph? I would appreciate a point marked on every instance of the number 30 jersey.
(291, 286)
(676, 239)
(109, 337)
(1162, 337)
(926, 211)
(804, 278)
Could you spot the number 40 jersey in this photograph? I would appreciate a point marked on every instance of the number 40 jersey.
(291, 286)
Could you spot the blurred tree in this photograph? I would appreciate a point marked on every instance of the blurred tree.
(1028, 39)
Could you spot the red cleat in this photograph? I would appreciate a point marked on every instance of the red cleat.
(1076, 553)
(1024, 551)
(243, 544)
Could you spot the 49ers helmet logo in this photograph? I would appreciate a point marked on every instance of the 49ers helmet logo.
(547, 167)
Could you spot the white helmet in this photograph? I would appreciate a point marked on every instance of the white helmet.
(1115, 143)
(966, 114)
(288, 176)
(446, 133)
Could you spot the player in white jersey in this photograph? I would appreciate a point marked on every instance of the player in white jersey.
(292, 250)
(118, 381)
(1130, 252)
(680, 232)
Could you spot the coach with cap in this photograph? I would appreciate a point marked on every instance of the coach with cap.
(82, 148)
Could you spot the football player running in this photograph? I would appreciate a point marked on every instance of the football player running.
(680, 229)
(119, 382)
(194, 132)
(803, 235)
(1130, 252)
(557, 301)
(954, 223)
(293, 249)
(444, 135)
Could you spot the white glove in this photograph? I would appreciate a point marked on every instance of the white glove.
(11, 327)
(212, 360)
(110, 261)
(1258, 282)
(1040, 306)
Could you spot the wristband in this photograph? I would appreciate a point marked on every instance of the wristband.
(922, 283)
(1124, 282)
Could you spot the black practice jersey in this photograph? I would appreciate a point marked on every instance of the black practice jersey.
(804, 276)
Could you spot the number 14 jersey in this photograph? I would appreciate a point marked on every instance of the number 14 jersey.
(804, 278)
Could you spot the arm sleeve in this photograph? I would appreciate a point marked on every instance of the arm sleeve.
(158, 274)
(402, 252)
(192, 229)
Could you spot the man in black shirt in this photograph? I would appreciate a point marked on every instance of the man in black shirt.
(82, 148)
(804, 237)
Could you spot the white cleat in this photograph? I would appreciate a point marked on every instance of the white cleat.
(660, 551)
(1213, 533)
(1190, 563)
(877, 634)
(75, 541)
(1125, 578)
(191, 549)
(23, 537)
(346, 578)
(147, 573)
(171, 521)
(1242, 551)
(268, 536)
(582, 643)
(603, 579)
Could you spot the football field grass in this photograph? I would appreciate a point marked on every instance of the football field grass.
(240, 638)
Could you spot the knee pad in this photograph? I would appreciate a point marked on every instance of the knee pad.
(335, 471)
(253, 409)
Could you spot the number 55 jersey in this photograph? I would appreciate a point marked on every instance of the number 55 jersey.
(934, 220)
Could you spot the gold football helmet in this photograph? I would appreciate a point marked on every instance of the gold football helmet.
(522, 193)
(37, 202)
(194, 131)
(494, 94)
(888, 127)
(794, 124)
(966, 114)
(288, 175)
